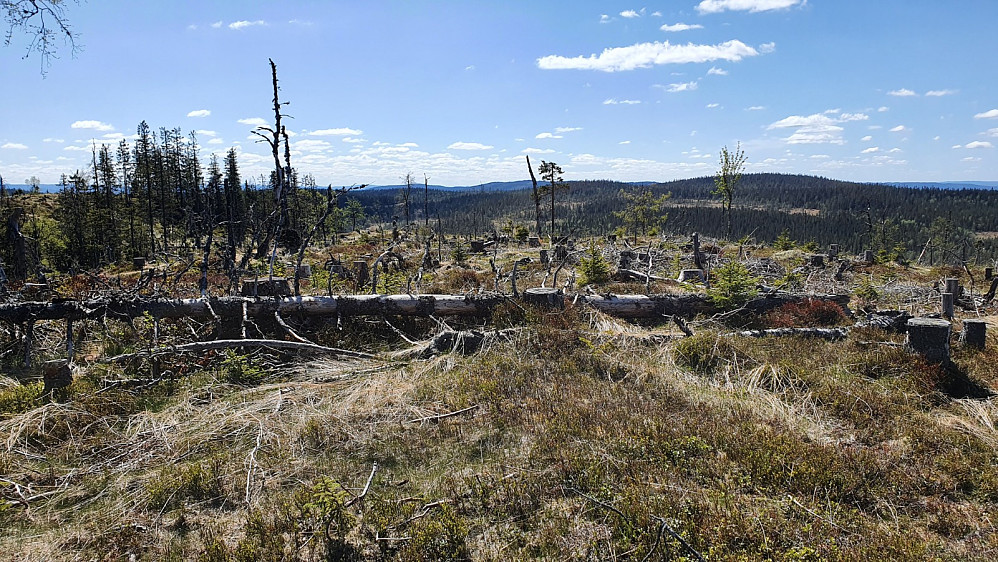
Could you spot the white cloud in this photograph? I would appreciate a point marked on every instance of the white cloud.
(867, 138)
(604, 18)
(75, 148)
(894, 150)
(217, 24)
(970, 159)
(199, 113)
(681, 87)
(468, 146)
(629, 14)
(717, 71)
(192, 26)
(113, 136)
(470, 67)
(766, 48)
(60, 141)
(902, 93)
(15, 146)
(311, 145)
(989, 114)
(253, 121)
(97, 125)
(537, 151)
(205, 133)
(566, 129)
(644, 55)
(818, 128)
(899, 129)
(755, 108)
(354, 140)
(715, 6)
(624, 142)
(680, 27)
(978, 144)
(883, 108)
(613, 101)
(242, 24)
(547, 136)
(410, 144)
(940, 93)
(340, 131)
(656, 14)
(871, 150)
(215, 141)
(992, 132)
(713, 105)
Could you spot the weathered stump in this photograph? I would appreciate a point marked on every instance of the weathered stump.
(929, 337)
(545, 258)
(974, 333)
(560, 252)
(643, 258)
(265, 287)
(360, 272)
(816, 260)
(947, 305)
(989, 272)
(57, 374)
(868, 256)
(534, 242)
(545, 298)
(691, 276)
(626, 257)
(477, 247)
(833, 251)
(953, 286)
(138, 262)
(304, 271)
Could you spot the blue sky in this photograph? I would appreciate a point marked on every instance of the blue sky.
(885, 90)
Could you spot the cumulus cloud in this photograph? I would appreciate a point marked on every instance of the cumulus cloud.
(469, 146)
(978, 144)
(15, 146)
(867, 138)
(215, 141)
(614, 101)
(715, 6)
(96, 125)
(340, 131)
(206, 133)
(629, 14)
(311, 145)
(253, 121)
(60, 141)
(645, 55)
(603, 18)
(940, 93)
(883, 108)
(681, 87)
(243, 24)
(217, 24)
(547, 136)
(989, 114)
(898, 129)
(680, 27)
(537, 151)
(902, 93)
(992, 132)
(871, 150)
(767, 47)
(717, 71)
(818, 128)
(76, 148)
(199, 113)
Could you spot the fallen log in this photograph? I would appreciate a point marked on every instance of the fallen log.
(831, 334)
(623, 306)
(200, 346)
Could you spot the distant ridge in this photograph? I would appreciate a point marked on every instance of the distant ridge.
(944, 184)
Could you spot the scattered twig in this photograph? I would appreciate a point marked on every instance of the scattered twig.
(439, 417)
(367, 486)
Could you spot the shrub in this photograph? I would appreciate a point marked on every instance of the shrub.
(703, 352)
(237, 369)
(441, 537)
(732, 285)
(783, 241)
(809, 313)
(593, 267)
(459, 252)
(18, 398)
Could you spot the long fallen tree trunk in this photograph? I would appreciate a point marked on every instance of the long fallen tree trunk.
(623, 306)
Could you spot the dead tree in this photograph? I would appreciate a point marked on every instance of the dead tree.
(536, 196)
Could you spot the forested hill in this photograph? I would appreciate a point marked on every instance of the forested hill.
(807, 208)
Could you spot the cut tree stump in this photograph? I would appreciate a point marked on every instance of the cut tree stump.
(929, 337)
(57, 374)
(974, 333)
(545, 298)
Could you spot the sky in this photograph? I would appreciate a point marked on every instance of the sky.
(461, 91)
